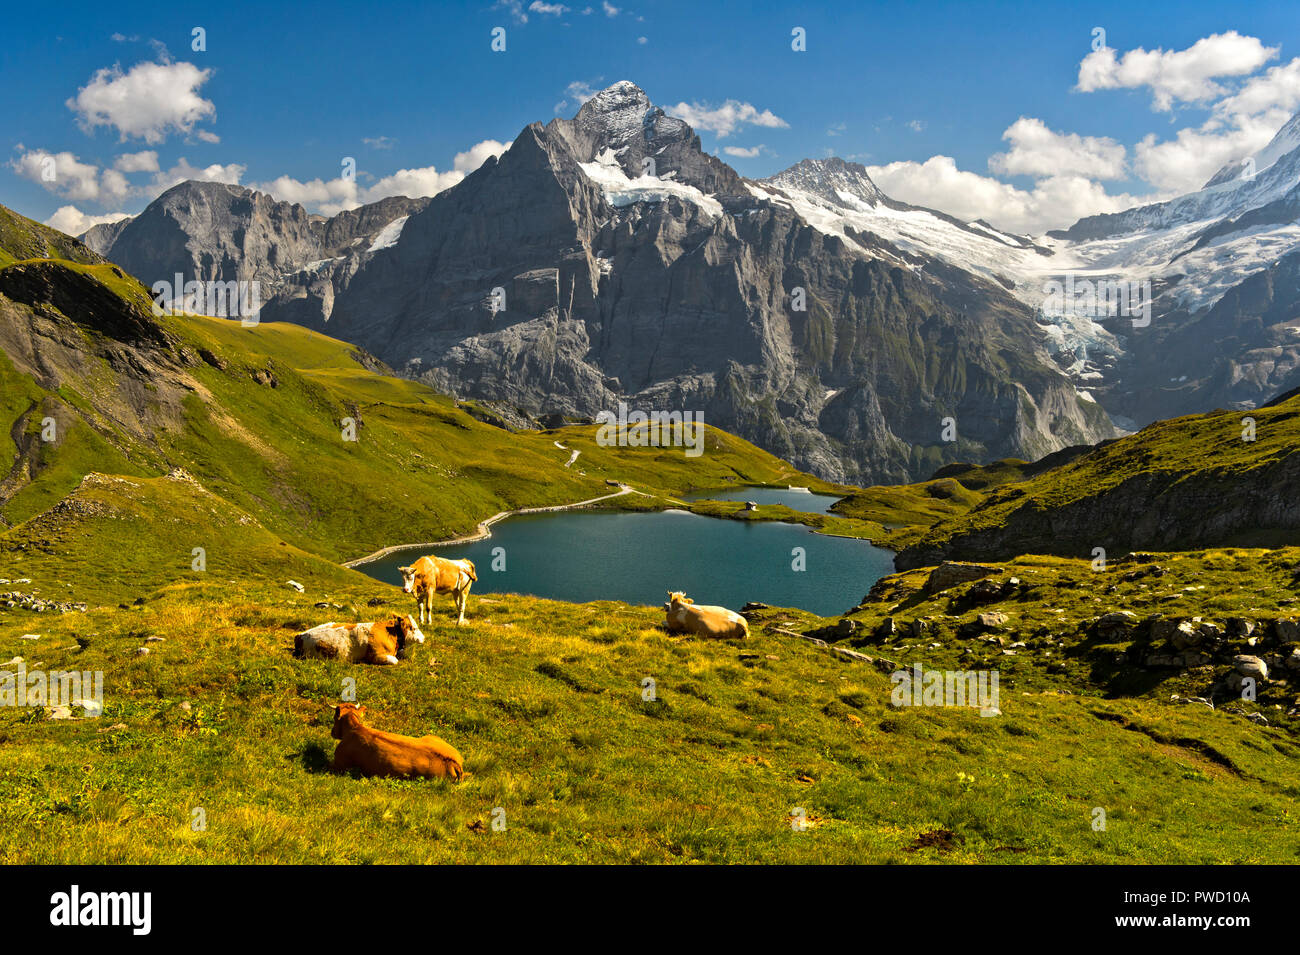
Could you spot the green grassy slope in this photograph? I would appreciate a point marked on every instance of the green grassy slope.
(545, 701)
(257, 415)
(1186, 482)
(24, 238)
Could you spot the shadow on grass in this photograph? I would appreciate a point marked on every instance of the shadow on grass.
(314, 757)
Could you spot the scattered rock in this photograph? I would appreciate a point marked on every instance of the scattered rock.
(296, 586)
(950, 574)
(90, 708)
(1250, 666)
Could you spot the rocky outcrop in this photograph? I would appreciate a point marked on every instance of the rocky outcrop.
(214, 232)
(607, 258)
(559, 279)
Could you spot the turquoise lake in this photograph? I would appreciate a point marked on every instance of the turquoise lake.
(637, 557)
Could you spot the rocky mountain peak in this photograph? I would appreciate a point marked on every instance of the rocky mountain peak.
(836, 180)
(1285, 141)
(621, 122)
(616, 115)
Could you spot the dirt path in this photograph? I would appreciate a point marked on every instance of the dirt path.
(484, 527)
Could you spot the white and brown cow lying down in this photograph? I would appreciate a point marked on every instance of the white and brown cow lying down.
(381, 642)
(376, 753)
(685, 617)
(438, 575)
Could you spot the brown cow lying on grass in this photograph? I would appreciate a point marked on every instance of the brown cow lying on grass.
(381, 642)
(376, 753)
(685, 617)
(438, 575)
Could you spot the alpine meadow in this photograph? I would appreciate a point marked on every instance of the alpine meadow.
(660, 434)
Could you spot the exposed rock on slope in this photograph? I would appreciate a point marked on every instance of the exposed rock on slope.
(211, 231)
(676, 291)
(631, 266)
(1178, 484)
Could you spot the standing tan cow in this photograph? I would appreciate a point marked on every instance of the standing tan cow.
(684, 617)
(438, 575)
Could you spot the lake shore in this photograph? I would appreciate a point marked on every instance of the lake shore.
(483, 529)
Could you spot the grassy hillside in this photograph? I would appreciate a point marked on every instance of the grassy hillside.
(258, 416)
(545, 701)
(1223, 478)
(24, 238)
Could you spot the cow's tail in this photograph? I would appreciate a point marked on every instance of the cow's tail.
(744, 629)
(297, 645)
(473, 575)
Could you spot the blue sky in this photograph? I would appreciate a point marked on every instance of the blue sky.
(926, 95)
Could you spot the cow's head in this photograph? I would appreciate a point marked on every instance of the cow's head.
(345, 714)
(408, 579)
(676, 598)
(407, 632)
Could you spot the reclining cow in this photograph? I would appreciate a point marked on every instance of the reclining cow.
(376, 753)
(438, 575)
(684, 617)
(382, 642)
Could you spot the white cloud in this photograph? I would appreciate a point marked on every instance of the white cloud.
(1053, 203)
(1039, 151)
(477, 154)
(339, 194)
(1240, 124)
(146, 161)
(743, 152)
(147, 102)
(1276, 91)
(113, 187)
(71, 220)
(231, 173)
(575, 94)
(207, 137)
(70, 176)
(642, 40)
(727, 118)
(1184, 163)
(610, 9)
(916, 125)
(1176, 75)
(548, 9)
(515, 9)
(379, 142)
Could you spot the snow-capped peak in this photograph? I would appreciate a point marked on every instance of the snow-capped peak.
(616, 114)
(835, 180)
(1284, 141)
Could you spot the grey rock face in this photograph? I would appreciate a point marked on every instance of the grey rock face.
(210, 231)
(677, 300)
(607, 258)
